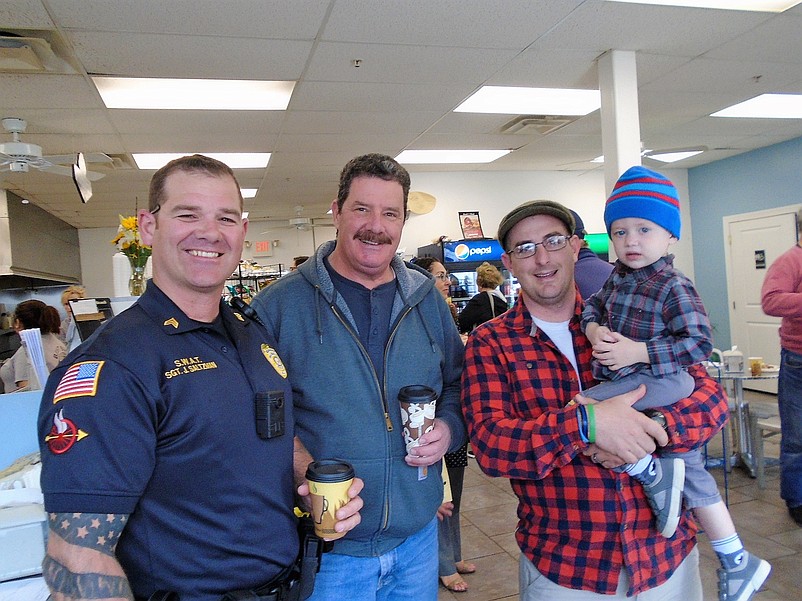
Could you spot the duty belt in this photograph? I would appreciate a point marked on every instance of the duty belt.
(295, 583)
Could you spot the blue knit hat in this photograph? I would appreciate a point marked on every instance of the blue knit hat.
(644, 193)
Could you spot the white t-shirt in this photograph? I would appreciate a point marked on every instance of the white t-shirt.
(561, 336)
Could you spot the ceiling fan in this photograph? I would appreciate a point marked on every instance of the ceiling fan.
(301, 223)
(18, 157)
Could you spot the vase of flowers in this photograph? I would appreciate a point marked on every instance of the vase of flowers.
(130, 244)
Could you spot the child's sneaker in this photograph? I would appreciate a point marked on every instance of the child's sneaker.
(664, 493)
(744, 580)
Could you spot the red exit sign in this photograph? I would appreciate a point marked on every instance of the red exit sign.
(263, 247)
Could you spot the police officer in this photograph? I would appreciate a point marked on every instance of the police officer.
(156, 472)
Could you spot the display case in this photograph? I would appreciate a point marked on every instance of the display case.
(250, 278)
(461, 258)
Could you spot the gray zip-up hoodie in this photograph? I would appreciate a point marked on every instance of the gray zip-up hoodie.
(341, 408)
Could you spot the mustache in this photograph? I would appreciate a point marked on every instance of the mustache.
(368, 236)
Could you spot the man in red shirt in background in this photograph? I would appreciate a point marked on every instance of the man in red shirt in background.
(582, 526)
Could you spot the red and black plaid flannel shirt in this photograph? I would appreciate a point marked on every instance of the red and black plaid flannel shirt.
(579, 523)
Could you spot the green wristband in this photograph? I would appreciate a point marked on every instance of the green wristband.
(591, 413)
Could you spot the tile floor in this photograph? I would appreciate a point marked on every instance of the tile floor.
(488, 522)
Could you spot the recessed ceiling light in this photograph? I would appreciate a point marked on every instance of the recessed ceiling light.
(248, 192)
(766, 106)
(423, 157)
(673, 157)
(531, 101)
(245, 214)
(210, 94)
(235, 160)
(769, 6)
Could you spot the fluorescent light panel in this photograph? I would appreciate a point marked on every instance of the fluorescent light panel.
(203, 94)
(663, 157)
(235, 160)
(531, 101)
(431, 157)
(766, 106)
(248, 192)
(673, 157)
(768, 6)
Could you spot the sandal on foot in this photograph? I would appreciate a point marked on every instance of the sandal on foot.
(465, 567)
(454, 583)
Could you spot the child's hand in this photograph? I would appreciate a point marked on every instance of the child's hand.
(599, 334)
(621, 352)
(581, 400)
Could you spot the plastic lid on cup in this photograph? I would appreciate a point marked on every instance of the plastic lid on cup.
(329, 471)
(417, 393)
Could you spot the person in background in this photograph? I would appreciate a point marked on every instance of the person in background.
(68, 331)
(590, 271)
(157, 472)
(781, 296)
(18, 371)
(355, 324)
(647, 326)
(296, 262)
(488, 303)
(585, 531)
(451, 566)
(442, 281)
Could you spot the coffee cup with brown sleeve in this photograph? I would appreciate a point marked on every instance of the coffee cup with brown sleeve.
(329, 481)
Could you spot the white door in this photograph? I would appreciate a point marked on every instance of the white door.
(754, 241)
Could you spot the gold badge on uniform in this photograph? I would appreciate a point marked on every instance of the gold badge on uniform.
(272, 357)
(238, 316)
(171, 322)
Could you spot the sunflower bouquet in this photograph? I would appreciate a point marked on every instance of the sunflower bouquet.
(130, 244)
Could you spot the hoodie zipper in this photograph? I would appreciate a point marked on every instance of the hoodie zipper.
(382, 391)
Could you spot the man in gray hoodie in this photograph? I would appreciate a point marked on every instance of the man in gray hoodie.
(356, 324)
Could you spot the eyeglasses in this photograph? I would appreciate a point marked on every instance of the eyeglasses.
(440, 276)
(528, 249)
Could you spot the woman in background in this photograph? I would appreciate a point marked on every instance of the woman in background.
(451, 565)
(18, 372)
(488, 303)
(68, 331)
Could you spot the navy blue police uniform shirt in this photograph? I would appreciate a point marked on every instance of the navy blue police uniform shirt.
(154, 417)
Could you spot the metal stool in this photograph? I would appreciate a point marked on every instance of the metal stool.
(762, 426)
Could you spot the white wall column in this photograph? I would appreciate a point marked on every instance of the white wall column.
(620, 120)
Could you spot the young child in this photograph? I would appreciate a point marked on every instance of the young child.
(647, 325)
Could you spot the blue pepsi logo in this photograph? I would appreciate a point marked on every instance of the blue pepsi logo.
(462, 251)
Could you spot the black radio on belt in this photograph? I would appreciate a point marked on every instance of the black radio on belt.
(269, 414)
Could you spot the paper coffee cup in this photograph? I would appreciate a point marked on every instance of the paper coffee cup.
(329, 481)
(417, 412)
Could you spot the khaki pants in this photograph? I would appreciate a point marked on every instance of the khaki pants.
(684, 585)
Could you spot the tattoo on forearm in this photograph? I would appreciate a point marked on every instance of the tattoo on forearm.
(91, 530)
(84, 586)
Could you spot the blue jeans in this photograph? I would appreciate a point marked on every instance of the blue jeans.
(407, 572)
(449, 537)
(789, 398)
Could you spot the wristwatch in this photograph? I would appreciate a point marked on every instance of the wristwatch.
(657, 416)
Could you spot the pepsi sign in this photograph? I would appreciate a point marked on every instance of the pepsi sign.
(463, 251)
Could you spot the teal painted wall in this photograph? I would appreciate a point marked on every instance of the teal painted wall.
(761, 179)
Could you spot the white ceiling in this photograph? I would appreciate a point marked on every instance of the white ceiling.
(419, 60)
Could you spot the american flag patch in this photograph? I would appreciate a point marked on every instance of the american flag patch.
(80, 380)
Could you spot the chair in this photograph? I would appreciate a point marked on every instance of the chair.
(762, 426)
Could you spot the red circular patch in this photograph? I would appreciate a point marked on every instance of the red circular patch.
(61, 442)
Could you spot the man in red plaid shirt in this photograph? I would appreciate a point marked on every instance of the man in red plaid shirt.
(585, 531)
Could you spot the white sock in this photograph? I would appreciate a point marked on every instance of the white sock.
(726, 546)
(633, 469)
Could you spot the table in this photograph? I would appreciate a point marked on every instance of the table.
(744, 446)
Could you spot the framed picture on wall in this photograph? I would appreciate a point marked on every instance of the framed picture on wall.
(470, 224)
